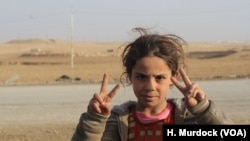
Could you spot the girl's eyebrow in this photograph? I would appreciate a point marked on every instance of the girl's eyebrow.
(141, 73)
(162, 75)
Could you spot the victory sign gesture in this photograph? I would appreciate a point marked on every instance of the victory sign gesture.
(191, 91)
(100, 103)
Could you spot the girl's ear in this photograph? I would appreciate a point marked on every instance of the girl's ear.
(176, 75)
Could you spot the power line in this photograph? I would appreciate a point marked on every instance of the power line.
(71, 39)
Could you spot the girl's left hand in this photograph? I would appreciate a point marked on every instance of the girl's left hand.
(193, 94)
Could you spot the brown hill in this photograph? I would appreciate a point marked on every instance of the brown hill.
(38, 61)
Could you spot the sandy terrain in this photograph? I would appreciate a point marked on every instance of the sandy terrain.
(47, 62)
(43, 62)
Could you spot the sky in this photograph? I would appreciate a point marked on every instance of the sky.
(113, 20)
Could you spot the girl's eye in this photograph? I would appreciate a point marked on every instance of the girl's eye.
(159, 78)
(141, 77)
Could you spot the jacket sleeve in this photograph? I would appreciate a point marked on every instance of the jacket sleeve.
(90, 127)
(206, 112)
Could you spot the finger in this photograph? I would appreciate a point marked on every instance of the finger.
(177, 84)
(185, 77)
(191, 102)
(196, 92)
(192, 88)
(98, 98)
(96, 107)
(200, 95)
(95, 103)
(104, 84)
(113, 91)
(191, 91)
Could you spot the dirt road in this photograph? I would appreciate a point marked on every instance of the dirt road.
(38, 113)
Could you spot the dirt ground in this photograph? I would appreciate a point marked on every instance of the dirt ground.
(48, 132)
(49, 62)
(45, 62)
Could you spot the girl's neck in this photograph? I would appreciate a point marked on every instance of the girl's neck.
(151, 110)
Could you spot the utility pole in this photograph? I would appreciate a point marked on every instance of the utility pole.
(71, 39)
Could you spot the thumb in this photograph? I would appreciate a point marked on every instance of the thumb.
(191, 102)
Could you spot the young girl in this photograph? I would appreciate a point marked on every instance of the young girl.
(153, 63)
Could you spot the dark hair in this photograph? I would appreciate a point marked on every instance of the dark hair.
(168, 47)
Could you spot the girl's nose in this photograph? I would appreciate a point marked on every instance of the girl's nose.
(149, 84)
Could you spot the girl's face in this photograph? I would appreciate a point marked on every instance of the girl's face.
(151, 81)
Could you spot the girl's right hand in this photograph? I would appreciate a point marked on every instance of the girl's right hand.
(100, 103)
